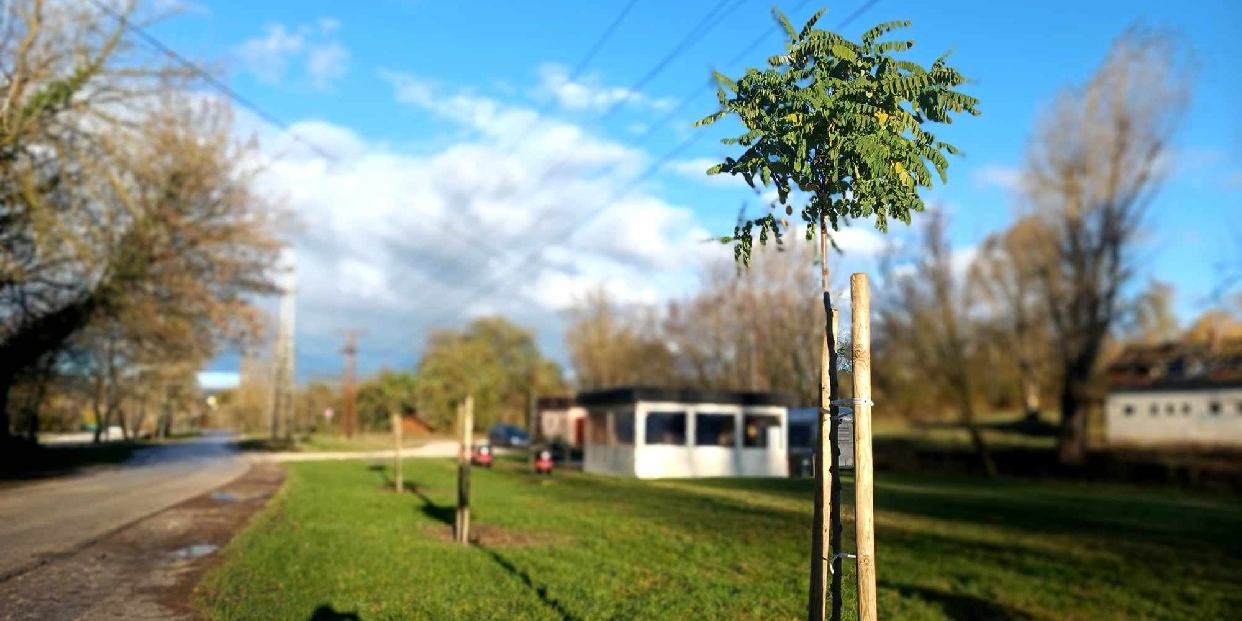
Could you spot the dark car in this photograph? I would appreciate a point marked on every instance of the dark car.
(508, 436)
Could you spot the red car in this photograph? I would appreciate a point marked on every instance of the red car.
(481, 456)
(543, 462)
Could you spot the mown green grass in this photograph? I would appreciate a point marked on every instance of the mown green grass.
(334, 544)
(336, 443)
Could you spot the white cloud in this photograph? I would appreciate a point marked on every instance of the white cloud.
(270, 56)
(696, 170)
(218, 380)
(325, 63)
(390, 238)
(589, 94)
(997, 175)
(859, 240)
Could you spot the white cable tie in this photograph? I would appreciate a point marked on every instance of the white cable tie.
(852, 401)
(836, 557)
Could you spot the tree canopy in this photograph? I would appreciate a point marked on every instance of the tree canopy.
(843, 121)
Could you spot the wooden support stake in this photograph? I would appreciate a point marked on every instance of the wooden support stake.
(466, 414)
(864, 480)
(396, 454)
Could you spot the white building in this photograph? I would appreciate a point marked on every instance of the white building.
(653, 433)
(1176, 394)
(1187, 412)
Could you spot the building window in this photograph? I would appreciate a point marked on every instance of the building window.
(1214, 408)
(623, 427)
(715, 429)
(801, 435)
(757, 426)
(597, 428)
(1185, 409)
(1239, 408)
(1169, 408)
(1128, 410)
(666, 428)
(1154, 409)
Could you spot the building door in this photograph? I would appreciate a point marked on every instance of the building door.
(578, 431)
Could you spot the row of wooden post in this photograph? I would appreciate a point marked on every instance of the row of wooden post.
(826, 544)
(826, 540)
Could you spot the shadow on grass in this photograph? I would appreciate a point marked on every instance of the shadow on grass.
(266, 445)
(328, 613)
(542, 592)
(443, 514)
(1034, 427)
(959, 607)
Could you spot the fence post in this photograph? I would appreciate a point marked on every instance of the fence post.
(466, 416)
(396, 455)
(864, 480)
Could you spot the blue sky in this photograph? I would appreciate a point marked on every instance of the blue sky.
(424, 100)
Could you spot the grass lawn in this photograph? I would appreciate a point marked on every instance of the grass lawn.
(333, 545)
(321, 442)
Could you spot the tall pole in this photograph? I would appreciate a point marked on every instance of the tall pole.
(282, 386)
(864, 480)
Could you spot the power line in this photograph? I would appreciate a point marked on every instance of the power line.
(705, 25)
(574, 226)
(579, 68)
(707, 22)
(216, 83)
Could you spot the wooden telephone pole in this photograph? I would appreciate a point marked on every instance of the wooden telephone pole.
(349, 417)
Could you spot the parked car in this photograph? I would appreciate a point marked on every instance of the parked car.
(508, 436)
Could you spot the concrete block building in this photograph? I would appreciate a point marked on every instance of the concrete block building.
(1176, 394)
(654, 433)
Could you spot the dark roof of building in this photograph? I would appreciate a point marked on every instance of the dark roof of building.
(1177, 366)
(559, 402)
(634, 394)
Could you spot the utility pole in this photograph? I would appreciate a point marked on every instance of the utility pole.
(349, 417)
(282, 386)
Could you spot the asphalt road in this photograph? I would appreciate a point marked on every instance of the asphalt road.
(42, 520)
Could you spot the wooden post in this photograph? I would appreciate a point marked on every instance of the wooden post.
(864, 481)
(466, 415)
(396, 454)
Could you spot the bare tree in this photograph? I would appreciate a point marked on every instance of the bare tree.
(926, 315)
(1095, 163)
(1004, 278)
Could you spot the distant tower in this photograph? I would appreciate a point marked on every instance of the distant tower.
(282, 385)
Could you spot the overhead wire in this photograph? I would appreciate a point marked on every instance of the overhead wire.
(647, 173)
(708, 22)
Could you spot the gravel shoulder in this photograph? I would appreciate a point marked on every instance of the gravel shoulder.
(148, 569)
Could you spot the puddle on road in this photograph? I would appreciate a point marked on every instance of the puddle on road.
(223, 496)
(196, 550)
